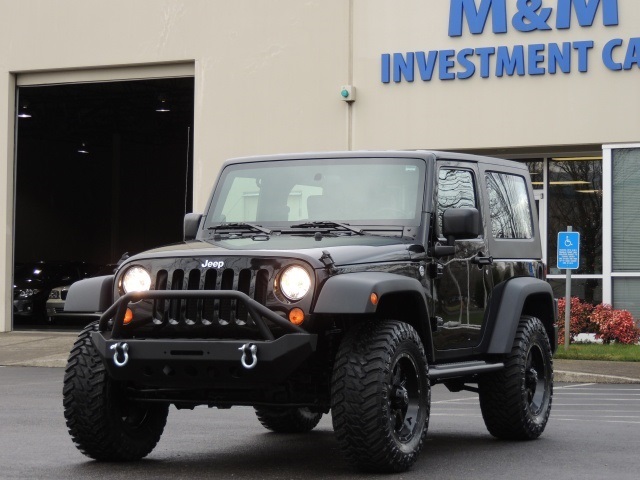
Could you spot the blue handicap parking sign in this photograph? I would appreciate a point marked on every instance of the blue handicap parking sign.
(568, 250)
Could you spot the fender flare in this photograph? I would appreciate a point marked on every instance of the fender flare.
(350, 293)
(90, 295)
(516, 297)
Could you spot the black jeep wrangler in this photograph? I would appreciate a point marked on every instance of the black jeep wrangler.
(345, 282)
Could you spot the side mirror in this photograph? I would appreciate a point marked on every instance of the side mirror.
(191, 225)
(457, 224)
(460, 224)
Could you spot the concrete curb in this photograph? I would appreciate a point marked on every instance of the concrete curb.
(51, 361)
(578, 377)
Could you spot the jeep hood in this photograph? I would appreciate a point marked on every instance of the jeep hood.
(344, 250)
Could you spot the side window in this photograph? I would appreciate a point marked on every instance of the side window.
(509, 206)
(456, 189)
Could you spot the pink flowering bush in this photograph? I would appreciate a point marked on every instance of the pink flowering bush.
(579, 322)
(608, 324)
(615, 325)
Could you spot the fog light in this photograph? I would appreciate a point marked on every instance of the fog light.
(296, 316)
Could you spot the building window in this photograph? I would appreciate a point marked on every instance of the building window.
(625, 229)
(587, 289)
(575, 199)
(568, 191)
(626, 211)
(536, 171)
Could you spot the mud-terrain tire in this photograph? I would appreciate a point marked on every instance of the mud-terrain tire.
(288, 419)
(103, 424)
(381, 396)
(516, 401)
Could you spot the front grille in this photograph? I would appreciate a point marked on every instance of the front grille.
(208, 311)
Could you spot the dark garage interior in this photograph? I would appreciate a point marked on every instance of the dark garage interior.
(102, 169)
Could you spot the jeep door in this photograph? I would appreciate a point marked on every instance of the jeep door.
(463, 282)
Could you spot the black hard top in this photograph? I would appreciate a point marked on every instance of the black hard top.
(432, 154)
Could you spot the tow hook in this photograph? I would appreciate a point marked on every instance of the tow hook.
(120, 350)
(249, 349)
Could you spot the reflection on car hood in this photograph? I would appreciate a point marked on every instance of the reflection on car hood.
(344, 250)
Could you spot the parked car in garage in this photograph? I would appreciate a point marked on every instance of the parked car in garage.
(57, 296)
(33, 281)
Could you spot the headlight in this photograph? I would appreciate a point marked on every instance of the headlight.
(27, 292)
(136, 279)
(295, 282)
(54, 294)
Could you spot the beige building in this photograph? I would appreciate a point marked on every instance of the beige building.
(553, 83)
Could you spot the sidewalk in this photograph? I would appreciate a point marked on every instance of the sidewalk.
(51, 349)
(35, 349)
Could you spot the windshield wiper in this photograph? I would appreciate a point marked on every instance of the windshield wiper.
(240, 226)
(327, 224)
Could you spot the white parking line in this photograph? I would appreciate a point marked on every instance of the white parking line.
(564, 387)
(594, 420)
(456, 400)
(566, 394)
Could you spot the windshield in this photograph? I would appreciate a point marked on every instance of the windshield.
(354, 191)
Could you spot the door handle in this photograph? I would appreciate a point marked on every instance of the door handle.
(481, 260)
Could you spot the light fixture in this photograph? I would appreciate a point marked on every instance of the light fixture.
(589, 191)
(568, 159)
(83, 148)
(162, 105)
(570, 182)
(23, 112)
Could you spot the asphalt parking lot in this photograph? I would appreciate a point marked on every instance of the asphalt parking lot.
(592, 434)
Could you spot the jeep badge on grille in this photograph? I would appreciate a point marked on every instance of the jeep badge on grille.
(210, 264)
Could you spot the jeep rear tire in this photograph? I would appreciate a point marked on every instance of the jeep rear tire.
(288, 419)
(516, 401)
(103, 423)
(380, 396)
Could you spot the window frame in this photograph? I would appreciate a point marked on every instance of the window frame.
(511, 248)
(479, 196)
(490, 215)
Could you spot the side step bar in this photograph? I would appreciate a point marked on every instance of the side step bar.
(463, 369)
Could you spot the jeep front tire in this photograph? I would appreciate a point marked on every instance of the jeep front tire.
(103, 423)
(380, 396)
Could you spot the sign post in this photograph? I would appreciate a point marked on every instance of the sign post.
(568, 259)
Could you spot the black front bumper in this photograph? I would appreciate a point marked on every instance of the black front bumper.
(202, 363)
(177, 363)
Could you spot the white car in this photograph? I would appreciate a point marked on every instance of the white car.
(55, 306)
(58, 296)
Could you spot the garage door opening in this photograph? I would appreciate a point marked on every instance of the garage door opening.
(102, 169)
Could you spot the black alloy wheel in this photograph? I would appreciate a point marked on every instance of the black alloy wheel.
(404, 398)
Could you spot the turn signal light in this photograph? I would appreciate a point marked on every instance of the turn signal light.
(374, 298)
(128, 316)
(296, 316)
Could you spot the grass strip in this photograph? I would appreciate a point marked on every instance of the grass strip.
(593, 351)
